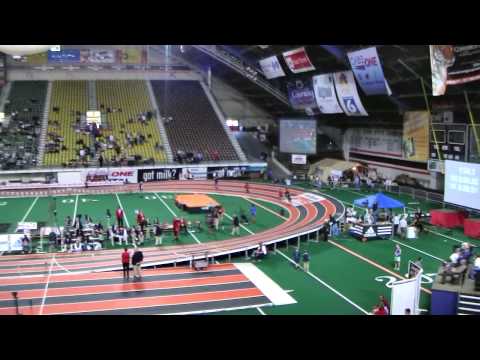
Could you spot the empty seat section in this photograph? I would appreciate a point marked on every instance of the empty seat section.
(127, 100)
(195, 126)
(19, 140)
(66, 122)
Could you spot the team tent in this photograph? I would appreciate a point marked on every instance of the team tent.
(383, 202)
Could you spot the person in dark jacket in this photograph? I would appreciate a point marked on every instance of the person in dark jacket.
(236, 225)
(306, 261)
(158, 234)
(137, 260)
(126, 263)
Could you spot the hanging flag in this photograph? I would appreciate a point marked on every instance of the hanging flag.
(324, 89)
(301, 95)
(368, 71)
(298, 61)
(348, 95)
(271, 67)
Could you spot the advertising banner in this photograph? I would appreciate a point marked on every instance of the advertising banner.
(301, 94)
(149, 175)
(298, 61)
(375, 141)
(368, 71)
(64, 56)
(227, 172)
(97, 56)
(271, 67)
(299, 159)
(415, 135)
(37, 59)
(348, 95)
(12, 242)
(324, 89)
(156, 56)
(131, 56)
(197, 173)
(453, 65)
(114, 174)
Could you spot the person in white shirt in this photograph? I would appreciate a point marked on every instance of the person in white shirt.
(403, 224)
(476, 263)
(396, 222)
(455, 256)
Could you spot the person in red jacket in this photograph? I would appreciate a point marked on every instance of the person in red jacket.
(176, 227)
(380, 310)
(126, 263)
(247, 188)
(119, 216)
(141, 219)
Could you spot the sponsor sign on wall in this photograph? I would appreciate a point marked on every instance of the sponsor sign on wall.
(348, 95)
(299, 159)
(131, 56)
(148, 175)
(114, 174)
(97, 56)
(227, 172)
(324, 89)
(375, 141)
(301, 94)
(298, 61)
(271, 67)
(64, 56)
(415, 135)
(194, 173)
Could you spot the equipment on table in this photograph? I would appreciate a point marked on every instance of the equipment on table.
(411, 232)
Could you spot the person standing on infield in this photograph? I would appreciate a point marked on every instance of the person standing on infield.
(236, 225)
(253, 213)
(126, 263)
(396, 257)
(306, 261)
(296, 258)
(137, 259)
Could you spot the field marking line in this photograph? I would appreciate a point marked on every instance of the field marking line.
(29, 209)
(75, 209)
(241, 225)
(46, 286)
(418, 250)
(373, 263)
(265, 208)
(260, 311)
(445, 236)
(124, 213)
(173, 213)
(327, 285)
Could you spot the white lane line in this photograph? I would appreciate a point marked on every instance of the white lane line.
(260, 311)
(124, 213)
(265, 208)
(75, 209)
(46, 286)
(173, 213)
(445, 236)
(29, 209)
(241, 225)
(418, 250)
(327, 286)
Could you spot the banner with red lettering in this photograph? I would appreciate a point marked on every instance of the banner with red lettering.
(110, 175)
(368, 71)
(298, 61)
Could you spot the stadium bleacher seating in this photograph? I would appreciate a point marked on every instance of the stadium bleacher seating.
(68, 106)
(20, 138)
(132, 98)
(194, 126)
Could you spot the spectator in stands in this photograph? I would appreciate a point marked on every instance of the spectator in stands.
(453, 271)
(137, 260)
(455, 257)
(126, 263)
(100, 160)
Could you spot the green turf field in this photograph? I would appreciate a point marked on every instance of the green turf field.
(346, 276)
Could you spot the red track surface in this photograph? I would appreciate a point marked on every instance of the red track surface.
(23, 265)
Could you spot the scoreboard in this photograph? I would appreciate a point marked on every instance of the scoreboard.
(451, 141)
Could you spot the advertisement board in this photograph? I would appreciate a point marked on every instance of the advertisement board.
(231, 172)
(271, 67)
(415, 135)
(149, 175)
(348, 95)
(11, 242)
(324, 89)
(131, 56)
(194, 173)
(297, 60)
(113, 174)
(301, 94)
(299, 159)
(64, 56)
(97, 56)
(368, 71)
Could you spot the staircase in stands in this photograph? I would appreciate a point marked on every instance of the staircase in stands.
(43, 132)
(468, 304)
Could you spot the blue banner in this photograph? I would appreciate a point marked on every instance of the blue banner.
(64, 56)
(301, 94)
(368, 71)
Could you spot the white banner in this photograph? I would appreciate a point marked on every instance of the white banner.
(324, 89)
(271, 67)
(11, 242)
(298, 61)
(114, 174)
(199, 173)
(348, 95)
(97, 56)
(299, 159)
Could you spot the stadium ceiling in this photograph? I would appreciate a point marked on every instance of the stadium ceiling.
(403, 65)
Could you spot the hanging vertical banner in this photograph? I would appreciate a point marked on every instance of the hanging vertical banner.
(348, 95)
(271, 67)
(368, 71)
(415, 135)
(324, 89)
(298, 61)
(453, 65)
(300, 94)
